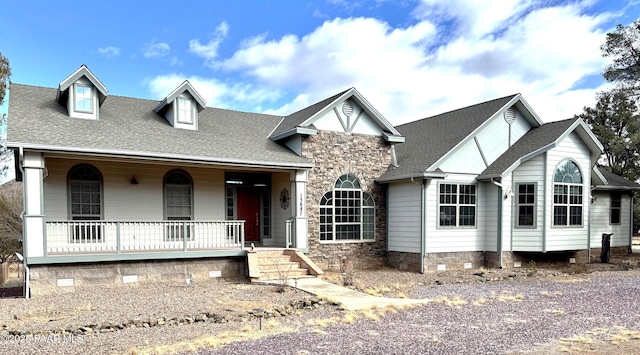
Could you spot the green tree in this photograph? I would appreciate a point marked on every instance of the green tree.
(614, 120)
(623, 47)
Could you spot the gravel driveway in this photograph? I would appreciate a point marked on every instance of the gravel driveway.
(547, 316)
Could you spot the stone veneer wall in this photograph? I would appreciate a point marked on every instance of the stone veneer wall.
(335, 154)
(44, 278)
(455, 261)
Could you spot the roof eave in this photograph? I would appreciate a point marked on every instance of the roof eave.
(296, 130)
(615, 188)
(393, 138)
(424, 175)
(158, 156)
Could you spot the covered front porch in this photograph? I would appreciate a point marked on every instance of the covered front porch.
(80, 210)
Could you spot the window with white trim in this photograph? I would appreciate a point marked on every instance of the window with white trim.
(178, 204)
(615, 215)
(185, 110)
(457, 205)
(347, 212)
(85, 203)
(83, 98)
(567, 195)
(526, 205)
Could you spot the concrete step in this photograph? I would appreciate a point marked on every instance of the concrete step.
(290, 274)
(279, 267)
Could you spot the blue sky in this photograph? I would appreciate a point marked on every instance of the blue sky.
(410, 59)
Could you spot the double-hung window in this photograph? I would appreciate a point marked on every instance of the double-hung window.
(457, 205)
(85, 203)
(615, 208)
(83, 98)
(567, 195)
(347, 212)
(185, 110)
(178, 202)
(526, 208)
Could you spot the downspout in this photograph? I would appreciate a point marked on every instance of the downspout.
(27, 272)
(589, 226)
(499, 229)
(423, 234)
(631, 225)
(423, 224)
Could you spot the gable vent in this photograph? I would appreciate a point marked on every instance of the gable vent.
(347, 108)
(510, 115)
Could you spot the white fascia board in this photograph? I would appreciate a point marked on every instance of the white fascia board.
(393, 138)
(369, 109)
(309, 121)
(79, 73)
(160, 156)
(294, 131)
(615, 188)
(516, 99)
(519, 162)
(425, 175)
(526, 105)
(185, 86)
(599, 175)
(374, 113)
(587, 137)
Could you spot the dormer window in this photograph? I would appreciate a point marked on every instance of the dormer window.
(185, 110)
(83, 98)
(182, 107)
(82, 93)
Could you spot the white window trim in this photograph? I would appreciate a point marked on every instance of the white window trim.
(535, 206)
(334, 224)
(91, 96)
(611, 208)
(457, 205)
(180, 117)
(568, 205)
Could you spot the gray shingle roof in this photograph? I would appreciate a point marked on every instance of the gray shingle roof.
(616, 181)
(533, 140)
(129, 126)
(295, 119)
(429, 139)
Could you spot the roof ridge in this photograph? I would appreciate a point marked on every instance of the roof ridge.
(458, 109)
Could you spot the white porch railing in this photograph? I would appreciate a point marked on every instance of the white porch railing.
(137, 236)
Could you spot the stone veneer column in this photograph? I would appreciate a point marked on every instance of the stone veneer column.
(334, 154)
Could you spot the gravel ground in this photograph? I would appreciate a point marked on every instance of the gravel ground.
(486, 311)
(506, 317)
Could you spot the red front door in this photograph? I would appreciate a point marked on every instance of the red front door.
(249, 211)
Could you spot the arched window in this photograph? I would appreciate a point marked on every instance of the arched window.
(567, 195)
(85, 193)
(178, 202)
(347, 212)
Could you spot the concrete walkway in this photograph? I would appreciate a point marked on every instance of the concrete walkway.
(348, 298)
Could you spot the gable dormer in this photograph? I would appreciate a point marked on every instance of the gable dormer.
(181, 107)
(82, 93)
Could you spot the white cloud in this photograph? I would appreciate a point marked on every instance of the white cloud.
(216, 93)
(109, 51)
(209, 51)
(456, 54)
(156, 50)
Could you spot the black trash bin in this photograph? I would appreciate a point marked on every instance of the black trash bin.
(605, 254)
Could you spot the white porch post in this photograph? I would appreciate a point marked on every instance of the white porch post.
(33, 222)
(299, 210)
